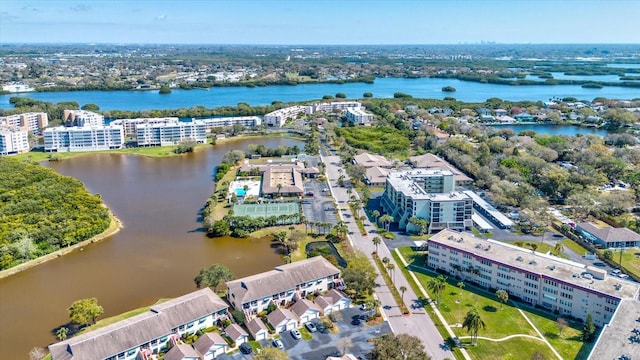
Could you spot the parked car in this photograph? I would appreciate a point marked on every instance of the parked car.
(295, 333)
(245, 348)
(277, 343)
(311, 327)
(321, 328)
(356, 321)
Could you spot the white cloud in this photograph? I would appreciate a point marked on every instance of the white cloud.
(161, 18)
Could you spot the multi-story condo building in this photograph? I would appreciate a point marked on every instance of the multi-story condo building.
(89, 138)
(82, 118)
(428, 194)
(279, 117)
(129, 125)
(284, 284)
(13, 140)
(170, 134)
(359, 116)
(147, 333)
(563, 286)
(336, 105)
(33, 122)
(246, 121)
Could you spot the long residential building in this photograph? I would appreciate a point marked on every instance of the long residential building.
(559, 285)
(279, 117)
(82, 118)
(170, 134)
(428, 194)
(129, 125)
(88, 138)
(282, 285)
(246, 121)
(33, 122)
(13, 140)
(146, 333)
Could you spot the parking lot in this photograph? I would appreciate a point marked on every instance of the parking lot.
(319, 207)
(323, 345)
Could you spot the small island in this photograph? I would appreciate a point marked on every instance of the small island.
(164, 89)
(449, 89)
(592, 86)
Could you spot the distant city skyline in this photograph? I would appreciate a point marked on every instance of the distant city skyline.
(350, 22)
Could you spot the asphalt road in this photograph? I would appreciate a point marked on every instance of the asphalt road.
(418, 324)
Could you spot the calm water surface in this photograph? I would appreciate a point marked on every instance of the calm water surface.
(382, 88)
(569, 130)
(156, 255)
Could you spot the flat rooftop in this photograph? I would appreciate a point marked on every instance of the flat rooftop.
(622, 336)
(569, 272)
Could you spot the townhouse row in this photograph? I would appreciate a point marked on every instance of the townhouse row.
(163, 325)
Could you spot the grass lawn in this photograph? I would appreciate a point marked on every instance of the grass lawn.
(630, 259)
(499, 322)
(568, 343)
(519, 348)
(152, 151)
(413, 257)
(577, 248)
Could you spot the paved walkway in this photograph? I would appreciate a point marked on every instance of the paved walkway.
(504, 338)
(538, 332)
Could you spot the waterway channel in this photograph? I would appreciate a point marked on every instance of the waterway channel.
(156, 255)
(430, 88)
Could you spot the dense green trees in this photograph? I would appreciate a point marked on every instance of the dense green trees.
(398, 347)
(43, 211)
(378, 139)
(359, 275)
(85, 311)
(212, 276)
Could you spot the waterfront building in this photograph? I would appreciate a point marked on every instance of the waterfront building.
(428, 194)
(559, 285)
(282, 285)
(358, 116)
(129, 125)
(148, 332)
(279, 117)
(33, 122)
(246, 121)
(88, 138)
(13, 140)
(82, 118)
(170, 134)
(336, 105)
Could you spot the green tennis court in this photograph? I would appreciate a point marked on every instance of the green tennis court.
(266, 210)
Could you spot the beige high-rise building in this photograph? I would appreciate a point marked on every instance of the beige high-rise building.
(33, 122)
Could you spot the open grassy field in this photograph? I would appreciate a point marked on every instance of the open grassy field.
(570, 244)
(518, 348)
(630, 259)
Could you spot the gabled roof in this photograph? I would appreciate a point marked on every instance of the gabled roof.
(335, 295)
(234, 331)
(610, 234)
(180, 352)
(140, 329)
(279, 315)
(255, 326)
(208, 340)
(370, 160)
(376, 174)
(302, 306)
(282, 278)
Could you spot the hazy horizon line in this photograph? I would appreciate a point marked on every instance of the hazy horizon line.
(292, 44)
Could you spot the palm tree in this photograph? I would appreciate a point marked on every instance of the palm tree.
(376, 215)
(62, 333)
(473, 322)
(402, 290)
(376, 241)
(391, 267)
(559, 248)
(437, 285)
(386, 220)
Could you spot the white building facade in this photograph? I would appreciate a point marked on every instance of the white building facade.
(246, 121)
(83, 118)
(129, 125)
(565, 287)
(358, 116)
(279, 117)
(13, 140)
(428, 194)
(33, 122)
(170, 134)
(91, 138)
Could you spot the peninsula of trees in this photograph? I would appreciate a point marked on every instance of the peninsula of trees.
(43, 211)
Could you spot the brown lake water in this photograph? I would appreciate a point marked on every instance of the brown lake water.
(156, 255)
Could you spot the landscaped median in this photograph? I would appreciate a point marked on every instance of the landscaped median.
(387, 279)
(507, 335)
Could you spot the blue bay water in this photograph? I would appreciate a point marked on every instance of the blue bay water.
(382, 88)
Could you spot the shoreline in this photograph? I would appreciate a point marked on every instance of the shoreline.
(114, 227)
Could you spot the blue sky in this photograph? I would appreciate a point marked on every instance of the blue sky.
(309, 22)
